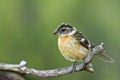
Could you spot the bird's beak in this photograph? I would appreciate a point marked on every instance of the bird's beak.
(55, 32)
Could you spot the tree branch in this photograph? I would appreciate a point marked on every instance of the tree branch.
(22, 69)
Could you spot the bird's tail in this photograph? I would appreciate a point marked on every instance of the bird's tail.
(105, 58)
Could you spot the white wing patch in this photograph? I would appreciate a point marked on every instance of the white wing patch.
(82, 39)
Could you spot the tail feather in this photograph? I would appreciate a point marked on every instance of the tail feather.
(105, 58)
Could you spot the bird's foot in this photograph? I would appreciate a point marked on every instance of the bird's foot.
(74, 66)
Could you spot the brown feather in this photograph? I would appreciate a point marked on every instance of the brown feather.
(78, 36)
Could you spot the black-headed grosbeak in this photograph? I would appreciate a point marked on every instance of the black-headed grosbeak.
(73, 44)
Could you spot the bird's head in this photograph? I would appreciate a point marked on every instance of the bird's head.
(65, 30)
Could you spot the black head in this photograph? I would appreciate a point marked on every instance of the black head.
(65, 29)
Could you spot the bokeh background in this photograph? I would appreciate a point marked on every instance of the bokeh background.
(26, 33)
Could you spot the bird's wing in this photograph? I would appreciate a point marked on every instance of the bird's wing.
(88, 45)
(82, 40)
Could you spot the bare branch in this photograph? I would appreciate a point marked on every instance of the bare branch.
(22, 69)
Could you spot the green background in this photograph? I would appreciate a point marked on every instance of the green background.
(27, 26)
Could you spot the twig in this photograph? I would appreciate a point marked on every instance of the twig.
(22, 69)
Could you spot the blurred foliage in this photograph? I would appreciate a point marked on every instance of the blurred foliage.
(26, 28)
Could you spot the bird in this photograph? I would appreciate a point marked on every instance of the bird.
(73, 44)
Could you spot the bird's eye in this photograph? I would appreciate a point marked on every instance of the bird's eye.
(63, 30)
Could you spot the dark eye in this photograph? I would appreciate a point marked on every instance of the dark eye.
(63, 30)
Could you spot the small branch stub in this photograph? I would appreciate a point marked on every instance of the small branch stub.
(23, 63)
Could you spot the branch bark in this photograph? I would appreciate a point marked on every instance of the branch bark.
(22, 69)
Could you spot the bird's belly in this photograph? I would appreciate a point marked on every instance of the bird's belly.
(71, 49)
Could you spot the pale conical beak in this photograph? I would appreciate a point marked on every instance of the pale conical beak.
(56, 32)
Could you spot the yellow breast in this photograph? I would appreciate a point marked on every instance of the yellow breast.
(71, 49)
